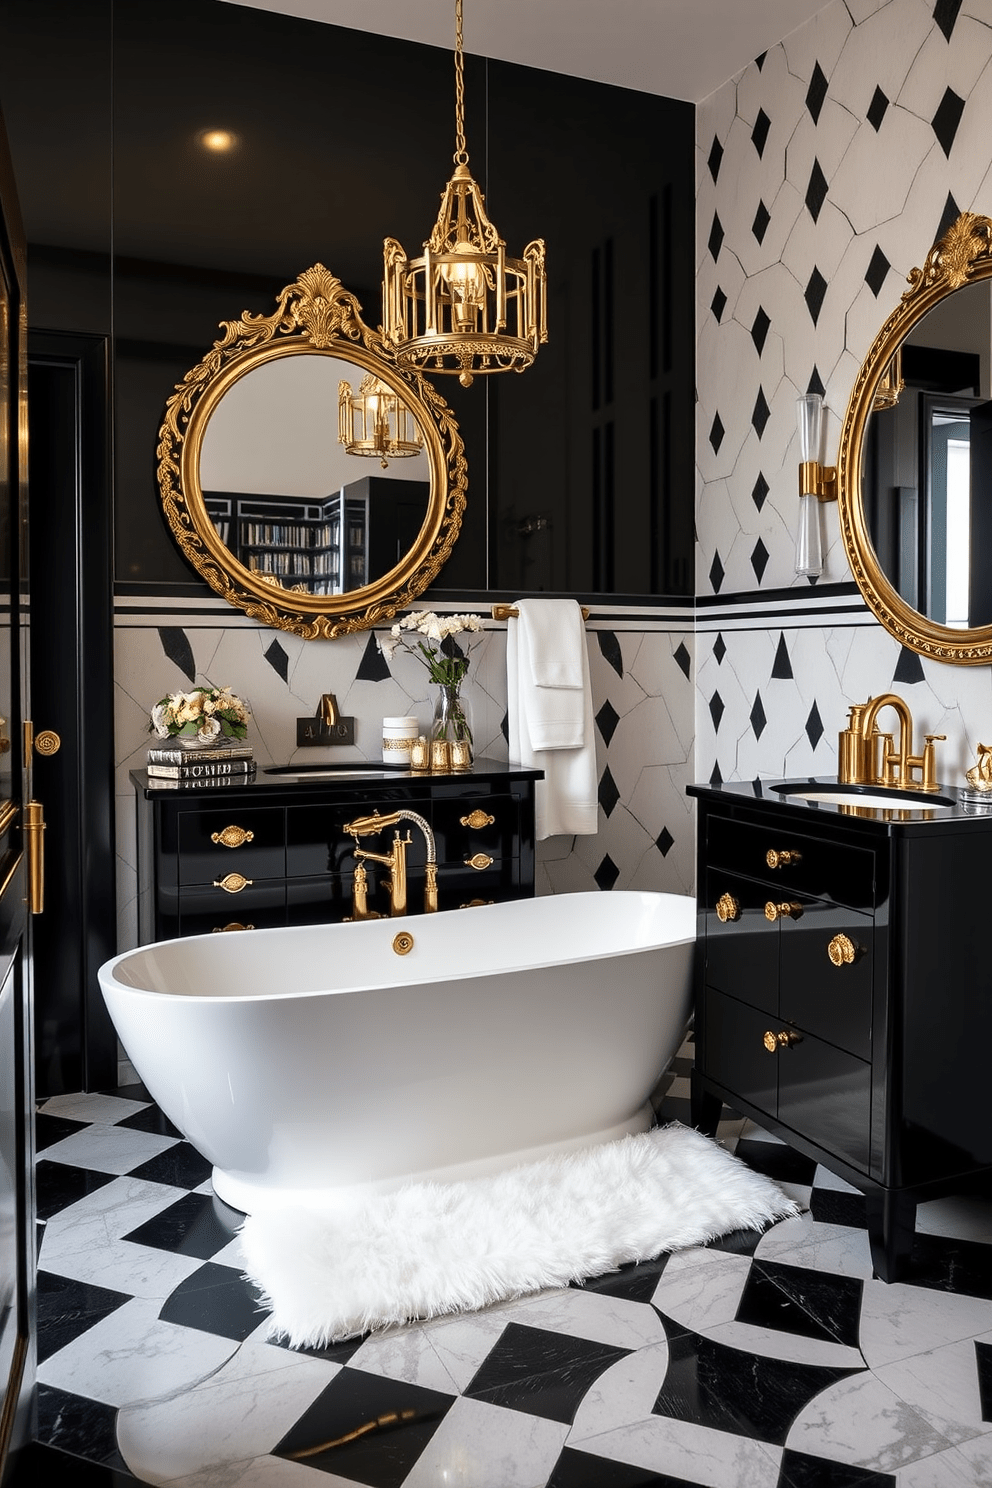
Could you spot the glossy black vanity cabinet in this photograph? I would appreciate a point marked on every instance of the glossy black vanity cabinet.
(272, 851)
(843, 991)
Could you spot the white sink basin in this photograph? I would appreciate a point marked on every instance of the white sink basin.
(890, 800)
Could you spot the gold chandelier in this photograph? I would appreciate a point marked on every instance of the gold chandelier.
(464, 307)
(375, 421)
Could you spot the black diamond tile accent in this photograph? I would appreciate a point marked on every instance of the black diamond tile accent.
(762, 217)
(715, 158)
(759, 559)
(983, 1363)
(811, 1304)
(86, 1429)
(606, 874)
(876, 271)
(758, 719)
(215, 1299)
(717, 432)
(909, 667)
(180, 1167)
(815, 384)
(716, 573)
(947, 118)
(950, 214)
(373, 666)
(782, 666)
(664, 842)
(195, 1225)
(384, 1456)
(816, 190)
(61, 1184)
(716, 778)
(759, 134)
(761, 413)
(67, 1309)
(800, 1470)
(504, 727)
(759, 330)
(718, 304)
(278, 658)
(759, 62)
(607, 719)
(609, 650)
(542, 1373)
(717, 709)
(814, 727)
(715, 241)
(681, 655)
(175, 644)
(608, 793)
(816, 92)
(51, 1129)
(877, 109)
(945, 13)
(759, 491)
(814, 292)
(719, 648)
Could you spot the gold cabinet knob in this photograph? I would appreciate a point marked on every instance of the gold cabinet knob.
(233, 883)
(480, 860)
(782, 859)
(47, 742)
(784, 1039)
(775, 912)
(476, 819)
(232, 837)
(234, 925)
(842, 950)
(727, 908)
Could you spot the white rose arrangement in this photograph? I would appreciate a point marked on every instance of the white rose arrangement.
(446, 663)
(206, 712)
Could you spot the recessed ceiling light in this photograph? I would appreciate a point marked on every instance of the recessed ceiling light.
(218, 141)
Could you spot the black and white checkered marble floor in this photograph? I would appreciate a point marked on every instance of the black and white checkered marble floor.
(767, 1360)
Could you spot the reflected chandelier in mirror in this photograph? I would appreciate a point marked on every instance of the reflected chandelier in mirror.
(914, 469)
(262, 493)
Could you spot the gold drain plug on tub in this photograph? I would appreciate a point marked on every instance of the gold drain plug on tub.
(403, 943)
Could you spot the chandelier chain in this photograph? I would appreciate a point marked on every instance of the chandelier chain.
(461, 151)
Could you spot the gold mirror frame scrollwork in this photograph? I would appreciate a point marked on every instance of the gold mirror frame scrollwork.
(962, 256)
(315, 314)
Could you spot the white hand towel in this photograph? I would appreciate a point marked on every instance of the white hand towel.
(552, 660)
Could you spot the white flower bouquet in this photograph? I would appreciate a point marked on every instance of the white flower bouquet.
(206, 714)
(433, 643)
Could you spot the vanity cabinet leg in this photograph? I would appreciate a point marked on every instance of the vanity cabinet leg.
(891, 1228)
(704, 1106)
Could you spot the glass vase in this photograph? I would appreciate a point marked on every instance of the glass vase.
(452, 724)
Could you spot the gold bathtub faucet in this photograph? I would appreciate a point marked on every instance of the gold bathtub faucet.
(395, 861)
(868, 757)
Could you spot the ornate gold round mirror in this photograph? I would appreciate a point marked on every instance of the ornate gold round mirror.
(307, 479)
(914, 470)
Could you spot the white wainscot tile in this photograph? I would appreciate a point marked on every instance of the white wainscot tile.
(655, 669)
(870, 193)
(861, 1421)
(821, 40)
(479, 1445)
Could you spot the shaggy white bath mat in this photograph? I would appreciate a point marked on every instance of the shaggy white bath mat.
(429, 1249)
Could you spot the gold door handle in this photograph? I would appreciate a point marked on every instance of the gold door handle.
(233, 883)
(782, 859)
(775, 912)
(784, 1039)
(34, 837)
(234, 925)
(727, 908)
(842, 950)
(477, 819)
(232, 837)
(480, 861)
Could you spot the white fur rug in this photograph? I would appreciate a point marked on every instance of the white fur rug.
(430, 1249)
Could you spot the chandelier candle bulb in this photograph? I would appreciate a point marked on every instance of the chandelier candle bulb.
(398, 734)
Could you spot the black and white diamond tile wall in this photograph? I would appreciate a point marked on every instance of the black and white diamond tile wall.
(769, 1359)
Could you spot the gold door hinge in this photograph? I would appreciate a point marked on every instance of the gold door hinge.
(34, 829)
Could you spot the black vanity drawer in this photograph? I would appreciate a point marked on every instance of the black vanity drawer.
(238, 839)
(256, 907)
(459, 888)
(741, 945)
(808, 864)
(826, 973)
(465, 830)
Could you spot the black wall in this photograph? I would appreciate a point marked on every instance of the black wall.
(581, 469)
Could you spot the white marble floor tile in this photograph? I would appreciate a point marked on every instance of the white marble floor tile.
(131, 1356)
(961, 1216)
(823, 1178)
(701, 1289)
(699, 1454)
(480, 1445)
(108, 1149)
(262, 1472)
(898, 1321)
(409, 1354)
(595, 1316)
(943, 1386)
(976, 1455)
(119, 1206)
(83, 1107)
(861, 1421)
(819, 1247)
(622, 1395)
(84, 1253)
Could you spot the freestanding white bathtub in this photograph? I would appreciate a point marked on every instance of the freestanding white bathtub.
(302, 1060)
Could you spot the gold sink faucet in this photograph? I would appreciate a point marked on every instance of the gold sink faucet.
(395, 861)
(867, 756)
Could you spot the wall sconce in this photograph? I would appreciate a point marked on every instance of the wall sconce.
(817, 482)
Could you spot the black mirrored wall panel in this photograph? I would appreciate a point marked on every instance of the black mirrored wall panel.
(580, 469)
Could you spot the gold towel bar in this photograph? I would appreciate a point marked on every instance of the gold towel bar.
(510, 612)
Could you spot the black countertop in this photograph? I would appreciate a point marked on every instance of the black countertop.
(359, 774)
(949, 807)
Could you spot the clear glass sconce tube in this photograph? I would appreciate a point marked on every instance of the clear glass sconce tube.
(809, 545)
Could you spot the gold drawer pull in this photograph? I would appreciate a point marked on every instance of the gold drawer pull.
(477, 819)
(784, 1039)
(782, 859)
(474, 903)
(842, 950)
(480, 861)
(775, 912)
(233, 883)
(727, 908)
(234, 925)
(232, 837)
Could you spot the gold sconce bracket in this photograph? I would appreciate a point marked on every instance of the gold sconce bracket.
(818, 480)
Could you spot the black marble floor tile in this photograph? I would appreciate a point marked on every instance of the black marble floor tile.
(60, 1184)
(334, 1353)
(673, 1108)
(776, 1160)
(51, 1129)
(180, 1166)
(215, 1299)
(575, 1469)
(636, 1281)
(983, 1363)
(86, 1428)
(798, 1470)
(945, 1265)
(195, 1225)
(834, 1206)
(135, 1092)
(39, 1464)
(366, 1428)
(542, 1373)
(732, 1390)
(738, 1242)
(68, 1308)
(151, 1119)
(792, 1299)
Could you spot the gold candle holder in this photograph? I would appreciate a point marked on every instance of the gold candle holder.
(440, 756)
(461, 754)
(420, 754)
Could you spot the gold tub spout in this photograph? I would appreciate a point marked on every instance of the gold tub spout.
(396, 860)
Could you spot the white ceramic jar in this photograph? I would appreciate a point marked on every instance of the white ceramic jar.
(397, 736)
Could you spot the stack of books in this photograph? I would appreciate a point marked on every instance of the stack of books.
(226, 764)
